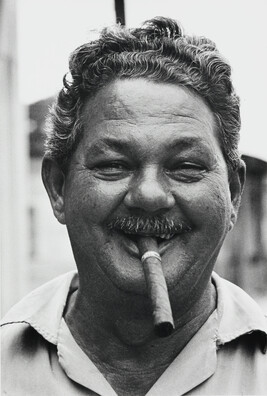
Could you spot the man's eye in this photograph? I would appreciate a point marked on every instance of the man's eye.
(111, 166)
(186, 171)
(190, 166)
(112, 169)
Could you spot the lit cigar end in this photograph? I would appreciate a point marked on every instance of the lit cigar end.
(156, 285)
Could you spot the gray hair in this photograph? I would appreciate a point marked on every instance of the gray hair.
(158, 51)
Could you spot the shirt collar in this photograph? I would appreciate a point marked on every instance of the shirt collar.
(198, 357)
(43, 309)
(238, 314)
(78, 366)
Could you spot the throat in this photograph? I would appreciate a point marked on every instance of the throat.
(136, 332)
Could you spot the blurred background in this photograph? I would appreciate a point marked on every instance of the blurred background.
(36, 38)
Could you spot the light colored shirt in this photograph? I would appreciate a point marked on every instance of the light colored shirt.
(227, 356)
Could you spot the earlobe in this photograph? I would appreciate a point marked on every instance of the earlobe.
(232, 220)
(237, 182)
(54, 180)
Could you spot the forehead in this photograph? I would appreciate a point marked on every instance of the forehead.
(138, 107)
(125, 99)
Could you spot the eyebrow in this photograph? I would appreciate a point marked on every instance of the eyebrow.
(109, 143)
(119, 145)
(188, 142)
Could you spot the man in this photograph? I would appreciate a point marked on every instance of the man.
(142, 144)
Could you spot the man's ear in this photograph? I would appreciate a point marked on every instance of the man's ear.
(54, 181)
(236, 183)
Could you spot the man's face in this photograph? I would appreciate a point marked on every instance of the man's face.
(148, 151)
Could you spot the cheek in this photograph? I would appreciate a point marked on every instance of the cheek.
(93, 200)
(209, 205)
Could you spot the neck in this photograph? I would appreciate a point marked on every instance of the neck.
(121, 326)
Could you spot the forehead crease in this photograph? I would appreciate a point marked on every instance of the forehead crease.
(132, 116)
(117, 100)
(115, 107)
(119, 107)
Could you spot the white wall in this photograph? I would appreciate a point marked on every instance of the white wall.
(14, 166)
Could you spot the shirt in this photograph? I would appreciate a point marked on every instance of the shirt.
(227, 356)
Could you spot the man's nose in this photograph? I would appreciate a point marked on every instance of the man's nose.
(149, 192)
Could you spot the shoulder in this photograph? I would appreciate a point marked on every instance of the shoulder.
(238, 313)
(241, 341)
(39, 298)
(242, 366)
(26, 360)
(242, 329)
(18, 339)
(43, 308)
(29, 334)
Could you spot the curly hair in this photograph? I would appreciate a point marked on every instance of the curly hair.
(158, 51)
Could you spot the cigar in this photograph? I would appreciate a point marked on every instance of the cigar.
(156, 285)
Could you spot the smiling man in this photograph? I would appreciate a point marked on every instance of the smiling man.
(142, 145)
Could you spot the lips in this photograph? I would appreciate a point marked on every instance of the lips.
(129, 228)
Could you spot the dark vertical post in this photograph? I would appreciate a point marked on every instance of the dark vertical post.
(120, 13)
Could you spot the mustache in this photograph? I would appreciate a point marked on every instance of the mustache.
(149, 225)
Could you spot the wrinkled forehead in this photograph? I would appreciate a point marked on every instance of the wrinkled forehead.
(141, 100)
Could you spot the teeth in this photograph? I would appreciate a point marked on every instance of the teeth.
(165, 236)
(169, 236)
(162, 236)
